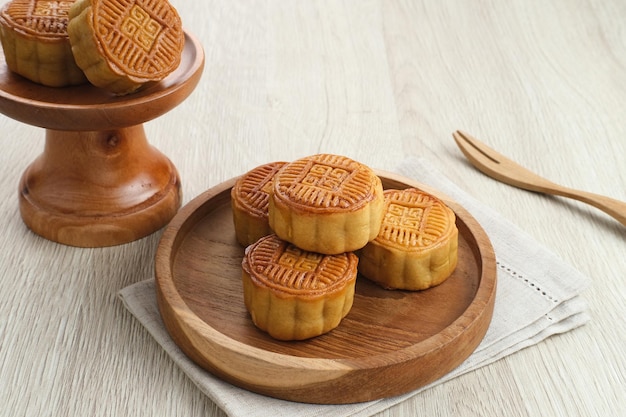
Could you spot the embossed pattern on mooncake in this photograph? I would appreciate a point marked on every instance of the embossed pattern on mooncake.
(286, 268)
(144, 37)
(417, 246)
(325, 182)
(45, 19)
(253, 190)
(414, 220)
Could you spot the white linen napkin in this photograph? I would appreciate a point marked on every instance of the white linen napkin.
(538, 295)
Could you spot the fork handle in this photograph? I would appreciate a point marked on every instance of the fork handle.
(614, 208)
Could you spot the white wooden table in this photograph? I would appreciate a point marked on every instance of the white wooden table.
(542, 82)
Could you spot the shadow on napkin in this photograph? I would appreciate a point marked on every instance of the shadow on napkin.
(537, 296)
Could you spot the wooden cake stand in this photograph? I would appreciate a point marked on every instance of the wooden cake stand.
(98, 181)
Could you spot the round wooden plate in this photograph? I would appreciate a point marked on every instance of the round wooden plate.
(390, 343)
(88, 108)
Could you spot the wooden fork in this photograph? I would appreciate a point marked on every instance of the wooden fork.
(505, 170)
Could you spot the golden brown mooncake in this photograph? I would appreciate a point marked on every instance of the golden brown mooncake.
(293, 294)
(417, 246)
(250, 201)
(123, 44)
(36, 44)
(326, 203)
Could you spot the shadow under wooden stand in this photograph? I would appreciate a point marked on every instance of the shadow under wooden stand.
(98, 181)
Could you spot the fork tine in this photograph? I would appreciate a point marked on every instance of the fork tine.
(497, 165)
(475, 145)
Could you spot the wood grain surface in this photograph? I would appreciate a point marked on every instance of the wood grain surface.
(391, 342)
(542, 82)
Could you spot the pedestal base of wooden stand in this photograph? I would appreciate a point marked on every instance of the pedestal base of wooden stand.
(96, 189)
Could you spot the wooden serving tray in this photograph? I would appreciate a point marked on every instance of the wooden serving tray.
(390, 343)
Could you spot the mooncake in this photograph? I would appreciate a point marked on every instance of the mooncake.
(36, 43)
(417, 247)
(326, 203)
(123, 44)
(250, 202)
(293, 294)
